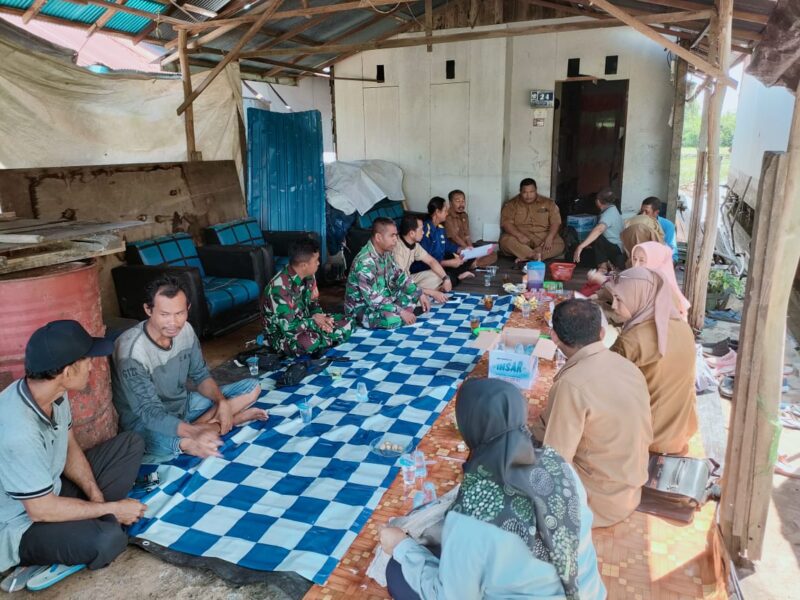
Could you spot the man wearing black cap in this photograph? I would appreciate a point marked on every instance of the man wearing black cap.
(57, 504)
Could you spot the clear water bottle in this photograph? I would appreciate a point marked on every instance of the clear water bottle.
(519, 349)
(362, 395)
(429, 489)
(419, 499)
(419, 463)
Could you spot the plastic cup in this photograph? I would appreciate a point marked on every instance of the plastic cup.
(408, 469)
(252, 364)
(305, 412)
(526, 310)
(361, 392)
(487, 279)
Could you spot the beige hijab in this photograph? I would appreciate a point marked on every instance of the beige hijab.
(649, 298)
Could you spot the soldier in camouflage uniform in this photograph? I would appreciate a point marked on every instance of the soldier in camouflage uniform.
(379, 293)
(294, 323)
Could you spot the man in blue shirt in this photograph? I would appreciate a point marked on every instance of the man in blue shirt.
(652, 207)
(436, 243)
(604, 239)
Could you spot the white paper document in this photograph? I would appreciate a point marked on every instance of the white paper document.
(478, 252)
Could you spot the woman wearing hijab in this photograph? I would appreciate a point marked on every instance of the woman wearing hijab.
(519, 526)
(658, 257)
(656, 339)
(640, 229)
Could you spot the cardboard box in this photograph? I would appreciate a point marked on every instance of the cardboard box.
(507, 364)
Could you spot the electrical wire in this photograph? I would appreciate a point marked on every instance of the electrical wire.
(384, 12)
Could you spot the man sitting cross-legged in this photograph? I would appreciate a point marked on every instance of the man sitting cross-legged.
(379, 294)
(408, 250)
(294, 322)
(152, 363)
(456, 226)
(57, 503)
(603, 429)
(530, 225)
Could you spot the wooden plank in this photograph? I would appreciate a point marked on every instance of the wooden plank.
(63, 252)
(755, 428)
(481, 34)
(33, 10)
(429, 23)
(694, 234)
(290, 14)
(678, 109)
(739, 15)
(292, 33)
(139, 13)
(233, 54)
(103, 20)
(186, 79)
(688, 56)
(20, 238)
(8, 216)
(722, 44)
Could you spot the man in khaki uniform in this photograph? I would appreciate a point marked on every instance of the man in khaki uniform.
(598, 414)
(408, 250)
(530, 225)
(456, 226)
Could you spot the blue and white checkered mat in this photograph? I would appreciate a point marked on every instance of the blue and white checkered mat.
(292, 497)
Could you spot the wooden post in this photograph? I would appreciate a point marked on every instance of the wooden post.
(755, 429)
(698, 199)
(722, 41)
(429, 23)
(188, 116)
(233, 54)
(678, 109)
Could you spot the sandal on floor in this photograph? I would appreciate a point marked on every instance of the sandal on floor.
(726, 387)
(18, 579)
(729, 315)
(51, 576)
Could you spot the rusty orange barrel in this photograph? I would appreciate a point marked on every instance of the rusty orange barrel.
(32, 298)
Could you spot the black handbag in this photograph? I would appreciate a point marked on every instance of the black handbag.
(677, 486)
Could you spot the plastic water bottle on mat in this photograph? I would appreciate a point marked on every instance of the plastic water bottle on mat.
(429, 489)
(419, 499)
(419, 464)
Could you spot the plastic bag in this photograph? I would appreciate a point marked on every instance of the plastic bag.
(704, 380)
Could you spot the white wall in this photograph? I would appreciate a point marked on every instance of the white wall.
(763, 120)
(419, 120)
(310, 93)
(540, 61)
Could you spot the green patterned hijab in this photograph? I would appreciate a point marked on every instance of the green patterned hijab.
(528, 491)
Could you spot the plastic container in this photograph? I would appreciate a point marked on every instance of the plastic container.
(252, 365)
(535, 271)
(562, 271)
(305, 412)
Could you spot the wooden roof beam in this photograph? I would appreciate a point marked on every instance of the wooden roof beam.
(738, 15)
(232, 55)
(289, 14)
(485, 34)
(688, 56)
(75, 25)
(157, 17)
(33, 10)
(344, 35)
(293, 32)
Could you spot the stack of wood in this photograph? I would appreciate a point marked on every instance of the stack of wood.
(32, 243)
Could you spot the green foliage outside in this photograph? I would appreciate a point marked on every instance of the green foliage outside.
(691, 135)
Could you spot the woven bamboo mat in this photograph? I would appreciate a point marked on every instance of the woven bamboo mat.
(642, 558)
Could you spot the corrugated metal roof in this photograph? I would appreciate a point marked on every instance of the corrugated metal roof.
(131, 23)
(72, 12)
(21, 4)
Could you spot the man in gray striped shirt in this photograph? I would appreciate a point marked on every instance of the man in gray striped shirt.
(152, 364)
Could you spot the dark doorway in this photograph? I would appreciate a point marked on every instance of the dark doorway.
(588, 141)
